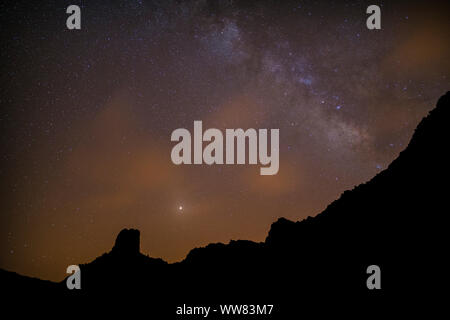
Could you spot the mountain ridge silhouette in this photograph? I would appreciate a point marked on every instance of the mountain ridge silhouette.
(395, 221)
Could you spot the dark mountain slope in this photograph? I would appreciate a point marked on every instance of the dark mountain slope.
(403, 206)
(396, 220)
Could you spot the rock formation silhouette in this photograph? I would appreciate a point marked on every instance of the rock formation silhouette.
(127, 242)
(397, 221)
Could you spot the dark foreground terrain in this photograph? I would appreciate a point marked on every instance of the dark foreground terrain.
(396, 221)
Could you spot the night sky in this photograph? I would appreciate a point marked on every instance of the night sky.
(86, 116)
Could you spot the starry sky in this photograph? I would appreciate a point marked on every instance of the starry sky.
(86, 116)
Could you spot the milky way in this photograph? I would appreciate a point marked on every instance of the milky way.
(87, 116)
